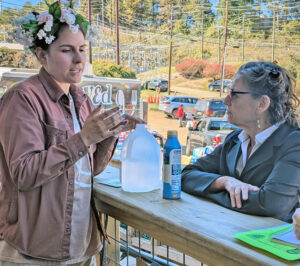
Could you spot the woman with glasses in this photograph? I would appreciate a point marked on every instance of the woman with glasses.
(257, 168)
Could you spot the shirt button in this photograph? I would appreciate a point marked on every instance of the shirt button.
(80, 153)
(67, 230)
(71, 183)
(68, 116)
(68, 207)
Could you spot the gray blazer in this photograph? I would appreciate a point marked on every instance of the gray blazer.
(274, 167)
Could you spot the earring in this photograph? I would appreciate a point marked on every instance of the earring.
(258, 123)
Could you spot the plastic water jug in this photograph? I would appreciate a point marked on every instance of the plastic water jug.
(140, 161)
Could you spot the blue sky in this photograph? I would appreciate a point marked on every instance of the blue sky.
(17, 3)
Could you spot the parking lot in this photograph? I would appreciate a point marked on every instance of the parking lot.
(160, 122)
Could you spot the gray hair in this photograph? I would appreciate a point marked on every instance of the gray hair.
(264, 78)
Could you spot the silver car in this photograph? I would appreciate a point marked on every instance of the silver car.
(207, 131)
(170, 104)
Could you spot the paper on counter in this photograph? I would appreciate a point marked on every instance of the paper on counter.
(262, 239)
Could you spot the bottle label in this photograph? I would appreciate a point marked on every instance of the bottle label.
(172, 175)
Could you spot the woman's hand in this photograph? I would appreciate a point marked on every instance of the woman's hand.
(130, 122)
(235, 188)
(296, 223)
(102, 125)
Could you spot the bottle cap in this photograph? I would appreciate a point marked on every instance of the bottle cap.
(172, 133)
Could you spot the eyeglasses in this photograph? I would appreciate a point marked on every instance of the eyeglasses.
(232, 92)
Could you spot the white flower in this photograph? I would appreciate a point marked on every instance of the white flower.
(68, 16)
(41, 34)
(48, 26)
(44, 17)
(92, 33)
(65, 3)
(49, 39)
(74, 28)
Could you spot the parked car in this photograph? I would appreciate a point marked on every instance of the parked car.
(158, 84)
(170, 103)
(209, 107)
(215, 86)
(207, 131)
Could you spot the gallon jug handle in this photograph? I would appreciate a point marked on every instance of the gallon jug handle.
(159, 137)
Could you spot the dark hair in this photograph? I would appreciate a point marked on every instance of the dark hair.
(45, 46)
(265, 78)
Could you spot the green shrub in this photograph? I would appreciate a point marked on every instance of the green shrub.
(106, 68)
(16, 58)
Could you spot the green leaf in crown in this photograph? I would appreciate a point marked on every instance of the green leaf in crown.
(55, 10)
(80, 20)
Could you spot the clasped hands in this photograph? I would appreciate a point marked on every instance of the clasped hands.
(237, 189)
(101, 125)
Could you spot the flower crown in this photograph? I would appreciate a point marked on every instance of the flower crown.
(35, 26)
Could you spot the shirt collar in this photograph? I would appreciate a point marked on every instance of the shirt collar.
(55, 91)
(262, 136)
(50, 85)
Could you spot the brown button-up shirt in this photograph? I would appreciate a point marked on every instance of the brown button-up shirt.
(38, 150)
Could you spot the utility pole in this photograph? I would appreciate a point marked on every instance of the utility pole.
(170, 52)
(273, 36)
(224, 50)
(102, 16)
(202, 35)
(90, 21)
(243, 40)
(219, 46)
(117, 32)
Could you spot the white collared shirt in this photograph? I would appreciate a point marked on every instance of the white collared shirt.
(260, 138)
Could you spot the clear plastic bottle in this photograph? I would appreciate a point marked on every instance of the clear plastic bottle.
(140, 161)
(172, 167)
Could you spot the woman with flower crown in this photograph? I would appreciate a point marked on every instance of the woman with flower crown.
(51, 146)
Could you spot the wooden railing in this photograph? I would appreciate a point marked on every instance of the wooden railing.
(194, 226)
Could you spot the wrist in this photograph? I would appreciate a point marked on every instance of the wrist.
(85, 140)
(219, 183)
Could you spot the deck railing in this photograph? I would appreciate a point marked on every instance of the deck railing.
(148, 230)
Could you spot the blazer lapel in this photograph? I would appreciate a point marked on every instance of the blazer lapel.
(232, 157)
(266, 150)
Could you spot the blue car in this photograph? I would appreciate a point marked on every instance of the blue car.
(215, 86)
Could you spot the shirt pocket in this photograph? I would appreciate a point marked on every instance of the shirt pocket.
(55, 134)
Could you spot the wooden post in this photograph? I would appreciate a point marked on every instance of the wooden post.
(170, 52)
(90, 21)
(219, 46)
(102, 16)
(243, 40)
(224, 50)
(273, 37)
(117, 32)
(113, 249)
(202, 36)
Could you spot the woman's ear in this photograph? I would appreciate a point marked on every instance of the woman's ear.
(41, 55)
(264, 103)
